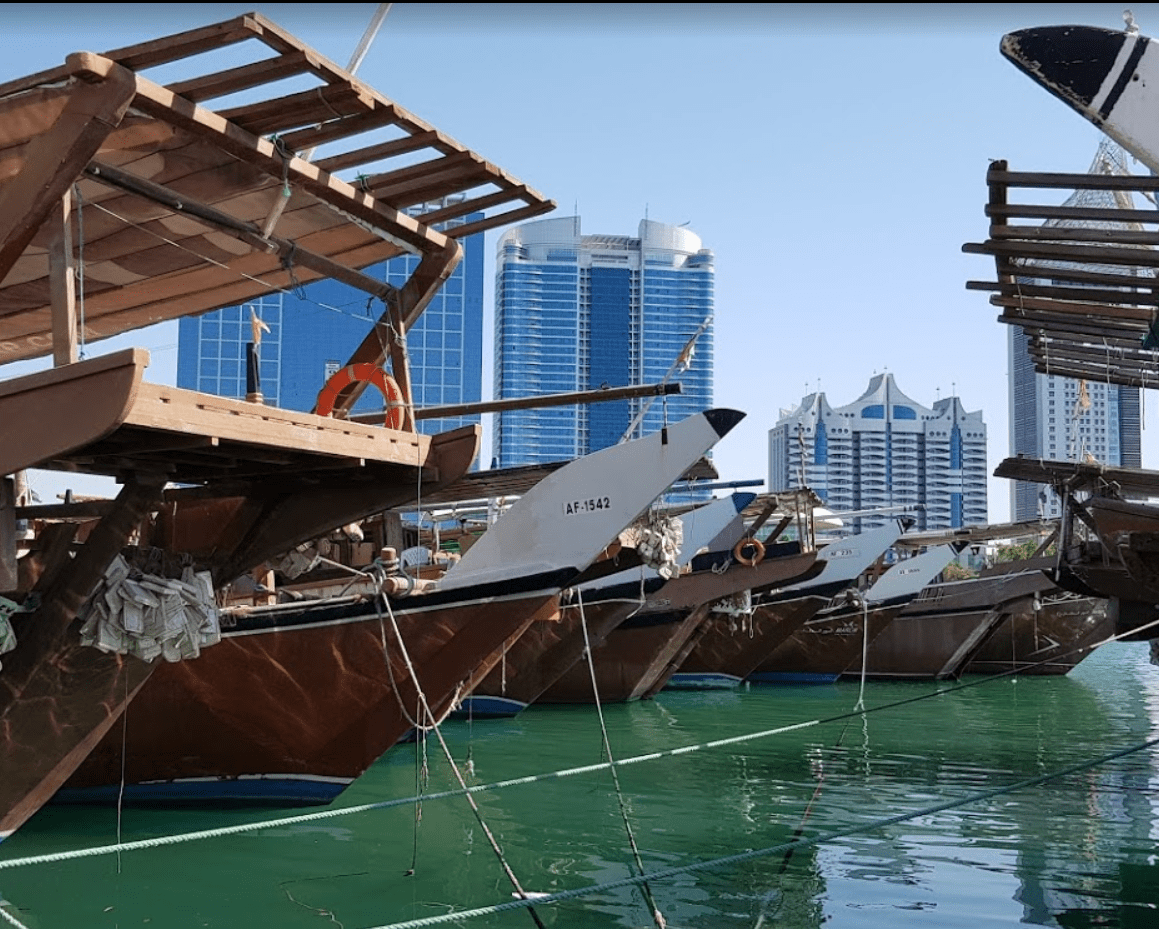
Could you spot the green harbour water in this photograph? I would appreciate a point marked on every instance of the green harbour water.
(1078, 850)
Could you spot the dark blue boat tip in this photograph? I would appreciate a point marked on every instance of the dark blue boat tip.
(740, 501)
(723, 420)
(1071, 62)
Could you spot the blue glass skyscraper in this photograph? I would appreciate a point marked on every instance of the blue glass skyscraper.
(314, 329)
(577, 312)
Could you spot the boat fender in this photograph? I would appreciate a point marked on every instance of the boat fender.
(749, 552)
(370, 374)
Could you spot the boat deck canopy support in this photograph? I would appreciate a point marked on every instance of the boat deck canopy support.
(1079, 279)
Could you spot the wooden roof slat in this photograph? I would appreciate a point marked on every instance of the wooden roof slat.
(1010, 274)
(1062, 181)
(1068, 329)
(1084, 299)
(431, 138)
(1080, 213)
(245, 77)
(465, 207)
(184, 44)
(1083, 255)
(490, 222)
(1060, 233)
(321, 105)
(303, 139)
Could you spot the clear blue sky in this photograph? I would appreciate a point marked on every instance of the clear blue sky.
(833, 157)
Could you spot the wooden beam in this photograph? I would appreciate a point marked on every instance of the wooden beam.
(62, 283)
(221, 83)
(389, 333)
(54, 160)
(1043, 179)
(1105, 311)
(1047, 251)
(407, 144)
(1101, 214)
(8, 578)
(600, 395)
(243, 231)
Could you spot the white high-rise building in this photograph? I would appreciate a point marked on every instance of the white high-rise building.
(886, 454)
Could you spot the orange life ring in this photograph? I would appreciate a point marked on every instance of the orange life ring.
(758, 552)
(371, 374)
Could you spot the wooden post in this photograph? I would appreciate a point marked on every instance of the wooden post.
(7, 534)
(62, 282)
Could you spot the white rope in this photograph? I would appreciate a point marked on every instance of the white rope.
(657, 916)
(9, 918)
(860, 704)
(435, 727)
(713, 863)
(222, 831)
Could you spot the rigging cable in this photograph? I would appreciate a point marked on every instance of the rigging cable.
(221, 831)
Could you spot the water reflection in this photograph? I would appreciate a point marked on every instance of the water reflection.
(1078, 851)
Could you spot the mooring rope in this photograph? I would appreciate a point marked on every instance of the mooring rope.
(238, 829)
(657, 916)
(436, 728)
(783, 848)
(12, 920)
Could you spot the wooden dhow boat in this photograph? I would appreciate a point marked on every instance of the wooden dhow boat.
(727, 651)
(829, 641)
(1108, 544)
(637, 658)
(938, 632)
(1044, 632)
(171, 208)
(299, 699)
(547, 650)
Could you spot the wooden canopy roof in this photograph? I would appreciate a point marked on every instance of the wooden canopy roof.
(1081, 475)
(1082, 284)
(180, 209)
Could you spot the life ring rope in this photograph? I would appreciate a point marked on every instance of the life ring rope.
(744, 546)
(370, 374)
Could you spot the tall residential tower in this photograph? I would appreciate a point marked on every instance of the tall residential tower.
(577, 312)
(885, 453)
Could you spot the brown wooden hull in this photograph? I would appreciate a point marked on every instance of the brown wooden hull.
(823, 646)
(295, 714)
(57, 696)
(58, 702)
(925, 647)
(1050, 639)
(728, 649)
(629, 661)
(542, 655)
(644, 651)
